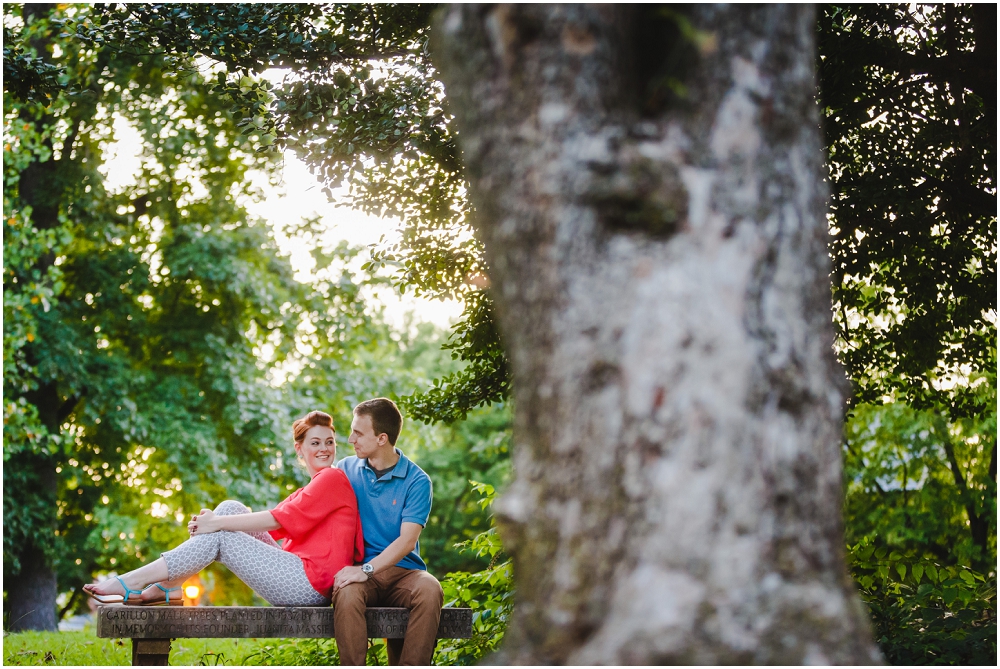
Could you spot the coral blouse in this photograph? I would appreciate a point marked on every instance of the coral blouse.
(320, 524)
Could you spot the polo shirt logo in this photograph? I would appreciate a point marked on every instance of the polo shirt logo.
(394, 502)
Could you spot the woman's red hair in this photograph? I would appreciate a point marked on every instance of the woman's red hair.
(310, 420)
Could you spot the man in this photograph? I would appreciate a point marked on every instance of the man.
(394, 500)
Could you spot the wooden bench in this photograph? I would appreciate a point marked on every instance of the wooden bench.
(152, 627)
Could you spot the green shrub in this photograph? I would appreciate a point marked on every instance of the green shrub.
(924, 612)
(489, 593)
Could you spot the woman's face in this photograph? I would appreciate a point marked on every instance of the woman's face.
(318, 449)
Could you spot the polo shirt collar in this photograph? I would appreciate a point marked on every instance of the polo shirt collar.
(401, 468)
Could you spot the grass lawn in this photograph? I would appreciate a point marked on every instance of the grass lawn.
(84, 648)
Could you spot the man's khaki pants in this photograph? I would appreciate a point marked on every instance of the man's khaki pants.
(414, 589)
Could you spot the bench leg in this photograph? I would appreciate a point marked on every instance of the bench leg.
(393, 650)
(150, 652)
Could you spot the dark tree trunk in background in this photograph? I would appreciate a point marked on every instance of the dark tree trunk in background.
(31, 595)
(648, 187)
(32, 591)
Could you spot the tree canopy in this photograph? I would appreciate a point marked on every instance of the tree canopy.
(363, 107)
(909, 100)
(909, 97)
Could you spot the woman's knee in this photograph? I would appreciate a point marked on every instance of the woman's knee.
(231, 508)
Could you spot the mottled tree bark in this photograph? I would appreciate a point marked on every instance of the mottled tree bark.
(649, 188)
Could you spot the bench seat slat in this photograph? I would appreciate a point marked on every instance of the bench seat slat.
(226, 622)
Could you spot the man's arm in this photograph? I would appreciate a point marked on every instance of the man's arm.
(409, 533)
(207, 522)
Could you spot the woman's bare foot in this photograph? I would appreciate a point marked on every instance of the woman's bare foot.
(110, 587)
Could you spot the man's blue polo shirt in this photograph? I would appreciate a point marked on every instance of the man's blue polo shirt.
(400, 496)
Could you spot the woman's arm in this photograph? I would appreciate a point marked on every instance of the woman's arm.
(207, 522)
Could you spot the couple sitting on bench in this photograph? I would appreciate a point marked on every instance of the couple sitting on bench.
(351, 538)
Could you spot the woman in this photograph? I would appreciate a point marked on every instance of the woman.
(319, 523)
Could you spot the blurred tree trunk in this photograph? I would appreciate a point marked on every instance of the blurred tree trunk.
(648, 184)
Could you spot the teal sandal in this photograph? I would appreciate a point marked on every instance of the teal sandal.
(165, 602)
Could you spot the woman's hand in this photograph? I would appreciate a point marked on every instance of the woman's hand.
(204, 523)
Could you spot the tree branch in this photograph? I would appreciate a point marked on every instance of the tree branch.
(67, 146)
(977, 527)
(993, 463)
(69, 605)
(67, 407)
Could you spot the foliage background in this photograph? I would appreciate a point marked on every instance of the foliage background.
(908, 94)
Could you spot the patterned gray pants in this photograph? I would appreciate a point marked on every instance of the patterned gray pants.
(275, 574)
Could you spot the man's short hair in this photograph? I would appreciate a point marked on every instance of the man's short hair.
(385, 417)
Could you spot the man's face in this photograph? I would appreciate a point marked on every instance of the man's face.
(363, 437)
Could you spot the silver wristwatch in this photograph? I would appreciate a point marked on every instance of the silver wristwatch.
(368, 569)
